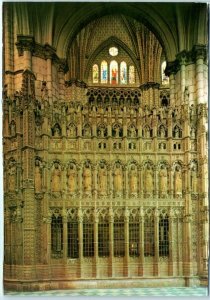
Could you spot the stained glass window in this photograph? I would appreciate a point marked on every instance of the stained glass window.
(104, 72)
(95, 74)
(131, 75)
(113, 72)
(123, 73)
(165, 79)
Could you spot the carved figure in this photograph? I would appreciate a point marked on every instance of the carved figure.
(57, 131)
(163, 180)
(148, 182)
(87, 131)
(72, 178)
(194, 180)
(178, 180)
(72, 131)
(12, 178)
(102, 180)
(133, 180)
(162, 132)
(132, 131)
(118, 181)
(38, 177)
(193, 133)
(56, 178)
(12, 128)
(87, 179)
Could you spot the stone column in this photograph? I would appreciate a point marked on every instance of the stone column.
(110, 181)
(49, 79)
(182, 75)
(171, 244)
(171, 182)
(126, 228)
(65, 237)
(28, 59)
(141, 185)
(95, 187)
(156, 187)
(200, 53)
(79, 178)
(156, 234)
(172, 89)
(80, 235)
(95, 271)
(111, 241)
(126, 182)
(187, 262)
(141, 243)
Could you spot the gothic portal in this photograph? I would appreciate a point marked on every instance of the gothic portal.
(105, 145)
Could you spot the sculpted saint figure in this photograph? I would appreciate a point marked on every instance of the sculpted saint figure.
(118, 182)
(148, 179)
(72, 178)
(87, 179)
(133, 180)
(38, 177)
(56, 178)
(194, 180)
(12, 178)
(178, 180)
(12, 128)
(163, 179)
(102, 180)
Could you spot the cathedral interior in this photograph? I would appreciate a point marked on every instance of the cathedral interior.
(105, 145)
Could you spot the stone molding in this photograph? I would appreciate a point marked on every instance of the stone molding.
(27, 43)
(186, 58)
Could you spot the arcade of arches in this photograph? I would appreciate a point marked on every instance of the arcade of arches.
(105, 145)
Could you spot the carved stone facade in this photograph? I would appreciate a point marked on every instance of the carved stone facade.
(104, 181)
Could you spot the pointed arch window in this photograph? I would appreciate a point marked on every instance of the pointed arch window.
(123, 73)
(95, 73)
(104, 72)
(131, 75)
(114, 72)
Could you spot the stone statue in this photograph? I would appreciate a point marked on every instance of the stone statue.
(72, 178)
(102, 180)
(148, 181)
(71, 131)
(132, 132)
(147, 132)
(194, 180)
(57, 131)
(87, 179)
(176, 132)
(178, 180)
(133, 180)
(37, 177)
(163, 180)
(56, 178)
(162, 132)
(12, 177)
(87, 131)
(12, 128)
(192, 133)
(118, 180)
